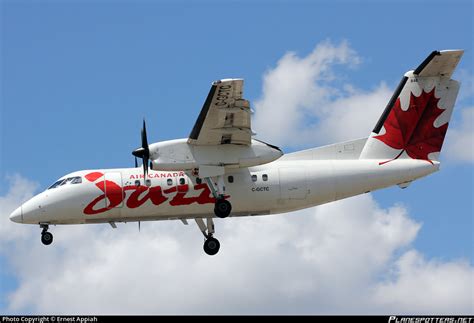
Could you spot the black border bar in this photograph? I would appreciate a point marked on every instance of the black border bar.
(321, 318)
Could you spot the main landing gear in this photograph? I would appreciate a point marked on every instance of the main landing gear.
(211, 244)
(46, 237)
(222, 207)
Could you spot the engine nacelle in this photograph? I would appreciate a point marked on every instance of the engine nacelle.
(179, 155)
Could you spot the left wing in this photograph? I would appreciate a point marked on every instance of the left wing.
(224, 117)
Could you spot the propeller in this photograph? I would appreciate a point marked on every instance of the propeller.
(143, 152)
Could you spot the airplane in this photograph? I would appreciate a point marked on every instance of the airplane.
(221, 171)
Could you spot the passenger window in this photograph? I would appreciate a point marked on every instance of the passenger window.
(169, 181)
(198, 180)
(265, 177)
(230, 179)
(254, 178)
(137, 182)
(182, 181)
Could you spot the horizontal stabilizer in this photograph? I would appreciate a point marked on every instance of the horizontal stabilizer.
(439, 63)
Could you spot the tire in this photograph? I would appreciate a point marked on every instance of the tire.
(222, 208)
(211, 246)
(46, 238)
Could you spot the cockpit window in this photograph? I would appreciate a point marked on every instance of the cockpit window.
(76, 180)
(67, 180)
(56, 184)
(64, 181)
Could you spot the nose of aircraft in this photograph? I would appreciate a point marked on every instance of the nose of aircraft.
(17, 215)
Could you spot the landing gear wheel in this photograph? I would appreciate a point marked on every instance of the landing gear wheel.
(46, 238)
(222, 208)
(211, 246)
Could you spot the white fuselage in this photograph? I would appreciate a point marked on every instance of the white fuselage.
(121, 195)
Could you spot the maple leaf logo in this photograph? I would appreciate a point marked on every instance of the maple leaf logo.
(413, 130)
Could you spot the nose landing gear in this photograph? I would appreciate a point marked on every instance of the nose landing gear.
(46, 237)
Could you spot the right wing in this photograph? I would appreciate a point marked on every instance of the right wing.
(224, 117)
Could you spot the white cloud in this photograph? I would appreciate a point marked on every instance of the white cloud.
(298, 89)
(21, 189)
(352, 116)
(299, 95)
(418, 284)
(460, 140)
(336, 258)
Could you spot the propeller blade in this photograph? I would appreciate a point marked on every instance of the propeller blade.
(143, 152)
(144, 137)
(145, 165)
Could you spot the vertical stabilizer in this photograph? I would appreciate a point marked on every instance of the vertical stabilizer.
(415, 121)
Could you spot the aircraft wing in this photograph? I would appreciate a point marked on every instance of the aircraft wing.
(224, 117)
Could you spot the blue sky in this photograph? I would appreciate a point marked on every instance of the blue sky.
(78, 77)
